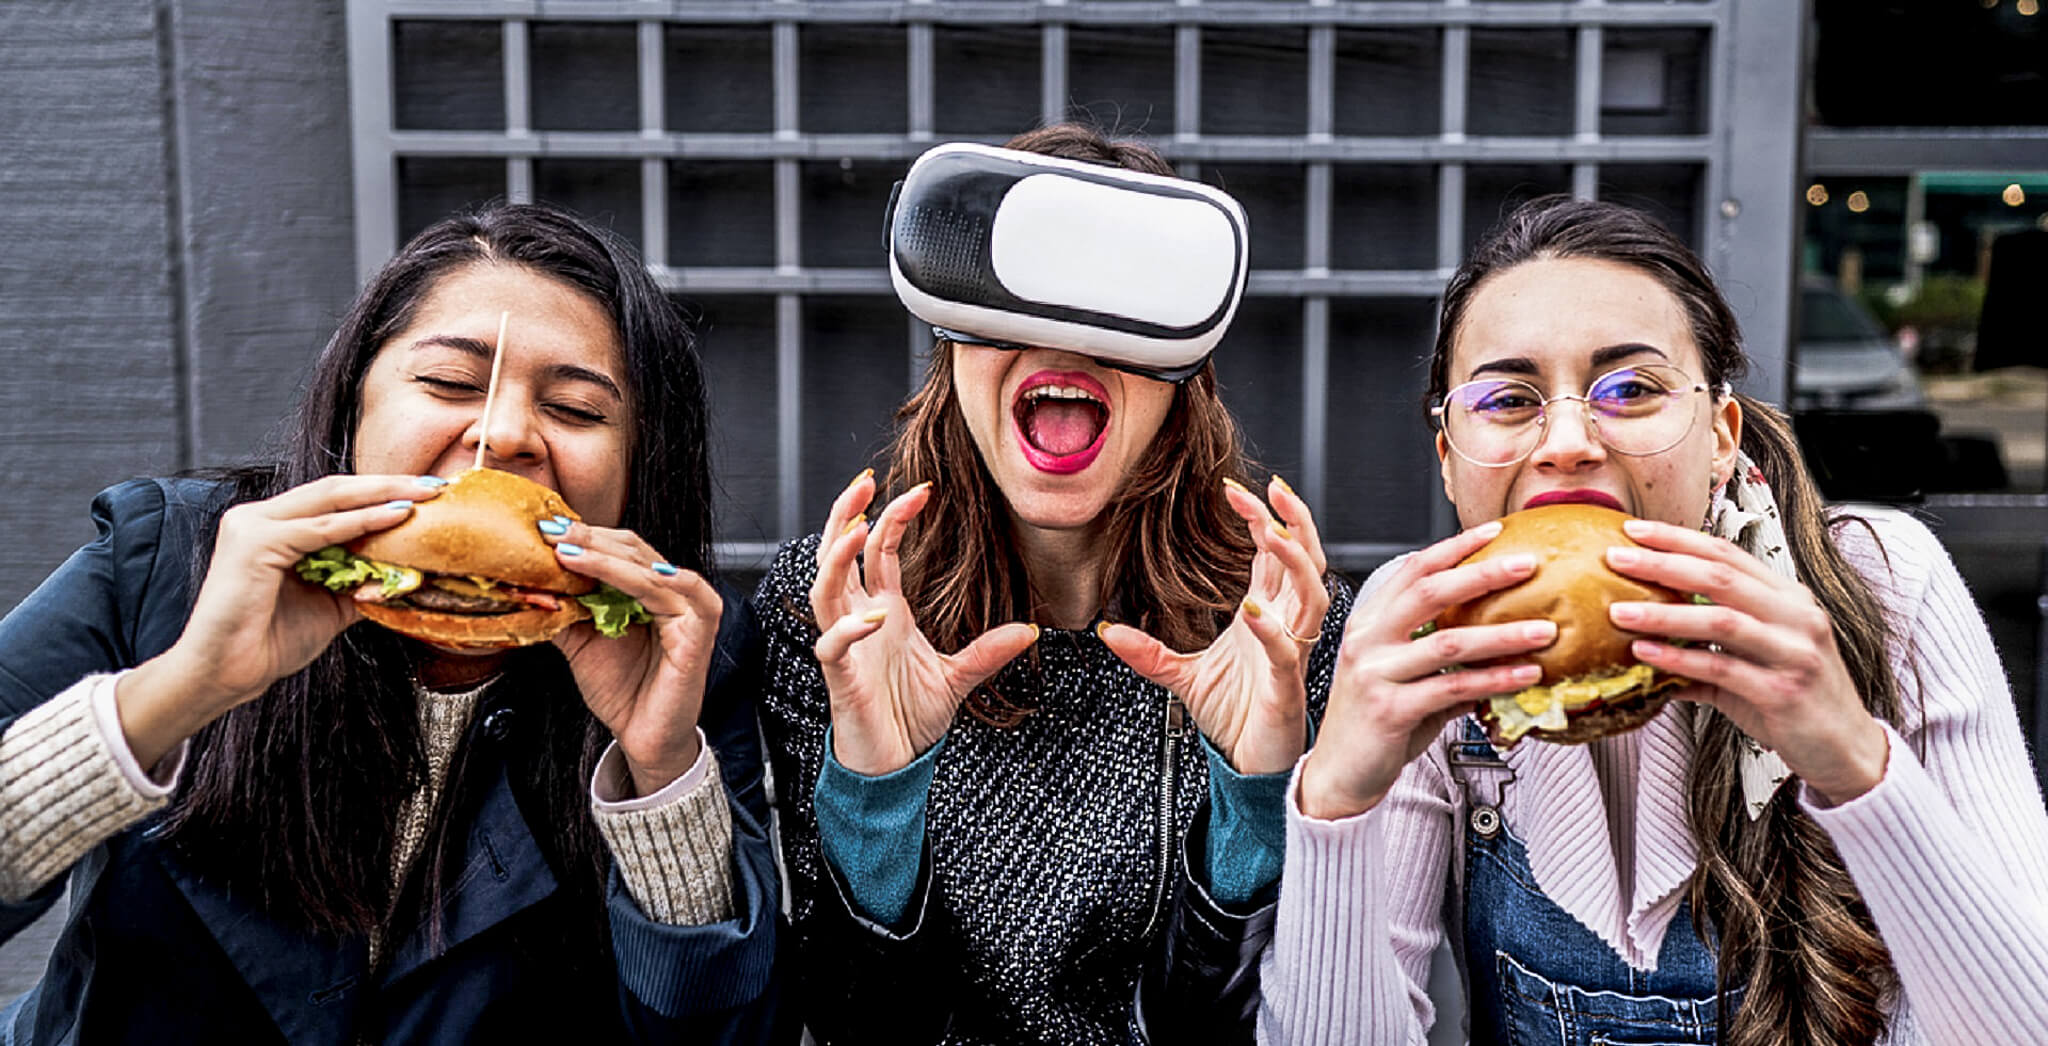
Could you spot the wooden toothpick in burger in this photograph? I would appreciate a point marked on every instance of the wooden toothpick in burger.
(468, 569)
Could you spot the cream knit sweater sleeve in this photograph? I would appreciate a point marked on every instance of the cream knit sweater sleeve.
(68, 783)
(673, 848)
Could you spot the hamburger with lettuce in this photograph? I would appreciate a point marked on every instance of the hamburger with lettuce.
(469, 570)
(1591, 686)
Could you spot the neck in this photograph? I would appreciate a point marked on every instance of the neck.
(456, 672)
(1065, 569)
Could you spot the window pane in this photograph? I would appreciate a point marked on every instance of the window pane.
(1389, 82)
(432, 188)
(719, 78)
(448, 76)
(1122, 77)
(843, 207)
(1255, 81)
(1491, 192)
(736, 338)
(1654, 81)
(605, 191)
(856, 353)
(985, 80)
(721, 213)
(1670, 192)
(1522, 82)
(1383, 217)
(585, 76)
(1259, 367)
(853, 79)
(1382, 477)
(1272, 197)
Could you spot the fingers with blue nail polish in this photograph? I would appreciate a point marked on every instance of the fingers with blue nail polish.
(666, 569)
(568, 549)
(431, 482)
(399, 505)
(553, 527)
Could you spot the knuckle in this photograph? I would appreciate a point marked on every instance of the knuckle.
(1721, 576)
(1451, 646)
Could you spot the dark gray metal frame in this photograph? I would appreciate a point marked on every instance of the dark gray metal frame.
(1749, 155)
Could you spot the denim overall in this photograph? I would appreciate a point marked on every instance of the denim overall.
(1536, 976)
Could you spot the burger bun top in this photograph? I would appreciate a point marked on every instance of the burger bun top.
(482, 524)
(1572, 587)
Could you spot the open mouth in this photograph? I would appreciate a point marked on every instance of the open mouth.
(1062, 419)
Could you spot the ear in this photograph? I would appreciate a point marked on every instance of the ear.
(1443, 466)
(1727, 438)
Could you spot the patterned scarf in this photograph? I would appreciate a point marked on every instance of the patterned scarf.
(1744, 512)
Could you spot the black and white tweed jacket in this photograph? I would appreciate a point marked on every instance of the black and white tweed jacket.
(1057, 857)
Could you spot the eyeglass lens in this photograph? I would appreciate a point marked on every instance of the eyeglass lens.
(1634, 410)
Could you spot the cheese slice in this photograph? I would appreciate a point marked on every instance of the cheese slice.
(1544, 707)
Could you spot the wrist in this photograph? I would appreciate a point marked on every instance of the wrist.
(1325, 794)
(865, 759)
(165, 700)
(1861, 768)
(654, 774)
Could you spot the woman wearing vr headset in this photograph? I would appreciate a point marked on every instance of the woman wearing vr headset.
(1673, 884)
(281, 823)
(1064, 545)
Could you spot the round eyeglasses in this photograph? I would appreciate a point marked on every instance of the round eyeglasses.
(1637, 410)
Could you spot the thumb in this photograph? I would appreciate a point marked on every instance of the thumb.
(988, 654)
(1147, 656)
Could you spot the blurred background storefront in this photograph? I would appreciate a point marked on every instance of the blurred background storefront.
(196, 186)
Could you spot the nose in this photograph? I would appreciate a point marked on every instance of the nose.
(1570, 439)
(514, 441)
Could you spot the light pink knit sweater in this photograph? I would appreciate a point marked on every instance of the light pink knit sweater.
(1950, 850)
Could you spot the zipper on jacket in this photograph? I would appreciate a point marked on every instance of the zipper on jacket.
(1169, 773)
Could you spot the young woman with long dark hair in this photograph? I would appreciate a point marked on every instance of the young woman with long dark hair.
(282, 825)
(1833, 837)
(1034, 869)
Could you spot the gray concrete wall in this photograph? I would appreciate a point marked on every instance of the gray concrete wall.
(174, 247)
(174, 199)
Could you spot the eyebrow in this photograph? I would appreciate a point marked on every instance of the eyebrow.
(563, 371)
(1523, 366)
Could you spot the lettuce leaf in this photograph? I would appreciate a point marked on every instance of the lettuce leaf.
(612, 611)
(340, 570)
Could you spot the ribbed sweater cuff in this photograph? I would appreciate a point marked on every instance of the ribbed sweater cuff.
(1327, 974)
(674, 854)
(63, 787)
(1970, 947)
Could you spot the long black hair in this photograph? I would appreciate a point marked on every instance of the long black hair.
(295, 796)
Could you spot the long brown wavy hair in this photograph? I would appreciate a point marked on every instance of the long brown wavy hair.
(1794, 934)
(1178, 556)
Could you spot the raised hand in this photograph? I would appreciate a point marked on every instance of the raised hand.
(1247, 690)
(254, 621)
(1391, 695)
(1766, 656)
(893, 694)
(647, 686)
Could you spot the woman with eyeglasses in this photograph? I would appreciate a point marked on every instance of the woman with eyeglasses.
(1035, 689)
(1671, 884)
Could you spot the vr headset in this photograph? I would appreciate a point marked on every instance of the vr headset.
(1014, 249)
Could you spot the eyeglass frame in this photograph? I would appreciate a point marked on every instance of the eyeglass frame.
(1441, 405)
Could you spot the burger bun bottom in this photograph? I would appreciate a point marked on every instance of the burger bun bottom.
(476, 632)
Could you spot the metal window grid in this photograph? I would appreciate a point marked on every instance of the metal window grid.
(1741, 37)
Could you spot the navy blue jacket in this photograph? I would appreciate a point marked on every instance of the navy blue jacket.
(153, 952)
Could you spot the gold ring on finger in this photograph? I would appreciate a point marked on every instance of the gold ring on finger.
(1303, 640)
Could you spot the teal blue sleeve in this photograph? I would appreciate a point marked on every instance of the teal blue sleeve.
(872, 830)
(1247, 831)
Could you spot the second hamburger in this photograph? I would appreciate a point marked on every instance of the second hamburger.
(1591, 686)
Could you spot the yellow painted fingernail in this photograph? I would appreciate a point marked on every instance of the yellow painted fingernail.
(1251, 609)
(922, 486)
(855, 525)
(1283, 483)
(1102, 630)
(1234, 485)
(1036, 632)
(875, 616)
(1285, 534)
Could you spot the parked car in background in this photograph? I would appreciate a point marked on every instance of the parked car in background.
(1845, 359)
